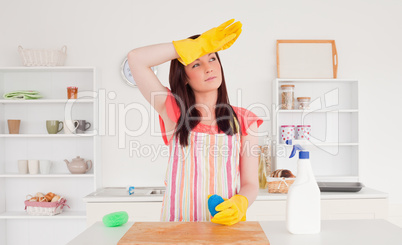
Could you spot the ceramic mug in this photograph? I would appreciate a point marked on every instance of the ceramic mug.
(44, 166)
(23, 166)
(303, 132)
(52, 126)
(287, 133)
(72, 92)
(83, 126)
(14, 126)
(33, 166)
(70, 126)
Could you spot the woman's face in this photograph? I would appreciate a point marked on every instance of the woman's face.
(204, 74)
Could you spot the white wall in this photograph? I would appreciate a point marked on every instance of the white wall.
(100, 33)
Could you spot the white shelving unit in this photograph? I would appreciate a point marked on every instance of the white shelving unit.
(65, 215)
(45, 135)
(334, 120)
(13, 175)
(47, 101)
(34, 142)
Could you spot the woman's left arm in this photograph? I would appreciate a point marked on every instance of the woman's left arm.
(249, 164)
(234, 210)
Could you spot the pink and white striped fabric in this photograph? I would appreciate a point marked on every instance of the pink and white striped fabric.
(208, 165)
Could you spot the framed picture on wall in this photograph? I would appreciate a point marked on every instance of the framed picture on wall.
(306, 59)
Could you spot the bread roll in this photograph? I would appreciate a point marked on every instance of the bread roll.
(39, 194)
(34, 199)
(282, 173)
(55, 198)
(49, 196)
(287, 174)
(276, 173)
(42, 199)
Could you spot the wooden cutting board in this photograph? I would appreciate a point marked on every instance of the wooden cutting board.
(248, 232)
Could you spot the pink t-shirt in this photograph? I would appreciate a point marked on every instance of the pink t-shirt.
(245, 117)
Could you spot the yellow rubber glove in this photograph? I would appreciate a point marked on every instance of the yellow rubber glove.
(214, 40)
(231, 211)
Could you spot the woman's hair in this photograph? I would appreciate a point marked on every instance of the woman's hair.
(185, 99)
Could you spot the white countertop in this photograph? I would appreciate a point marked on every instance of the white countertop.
(333, 232)
(365, 193)
(110, 194)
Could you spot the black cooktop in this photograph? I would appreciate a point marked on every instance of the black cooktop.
(340, 186)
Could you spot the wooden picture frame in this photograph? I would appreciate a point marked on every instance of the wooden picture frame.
(306, 59)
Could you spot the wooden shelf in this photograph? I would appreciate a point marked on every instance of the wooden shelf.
(23, 215)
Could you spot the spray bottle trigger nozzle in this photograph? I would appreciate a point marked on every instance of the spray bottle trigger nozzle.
(295, 149)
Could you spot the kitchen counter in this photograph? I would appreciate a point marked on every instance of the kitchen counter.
(146, 204)
(333, 232)
(110, 194)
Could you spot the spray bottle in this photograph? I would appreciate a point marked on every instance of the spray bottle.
(303, 211)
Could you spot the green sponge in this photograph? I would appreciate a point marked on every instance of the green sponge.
(115, 219)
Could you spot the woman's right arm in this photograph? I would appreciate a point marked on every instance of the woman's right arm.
(140, 61)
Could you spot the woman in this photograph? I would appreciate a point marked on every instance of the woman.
(209, 140)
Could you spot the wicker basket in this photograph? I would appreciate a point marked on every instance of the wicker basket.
(279, 185)
(43, 57)
(45, 208)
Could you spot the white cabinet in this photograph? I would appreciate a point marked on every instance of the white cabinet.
(34, 142)
(375, 208)
(334, 120)
(332, 208)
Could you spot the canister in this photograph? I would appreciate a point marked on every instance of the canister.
(287, 97)
(303, 132)
(304, 103)
(287, 133)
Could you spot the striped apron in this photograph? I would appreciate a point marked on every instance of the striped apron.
(208, 165)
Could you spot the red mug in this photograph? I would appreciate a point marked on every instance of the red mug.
(72, 92)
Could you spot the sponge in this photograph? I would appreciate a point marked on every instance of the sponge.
(115, 219)
(214, 201)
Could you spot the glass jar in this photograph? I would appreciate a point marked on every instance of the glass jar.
(287, 95)
(304, 103)
(264, 165)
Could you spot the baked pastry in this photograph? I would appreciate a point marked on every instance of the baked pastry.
(34, 199)
(276, 173)
(282, 173)
(49, 196)
(39, 194)
(42, 199)
(55, 198)
(287, 174)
